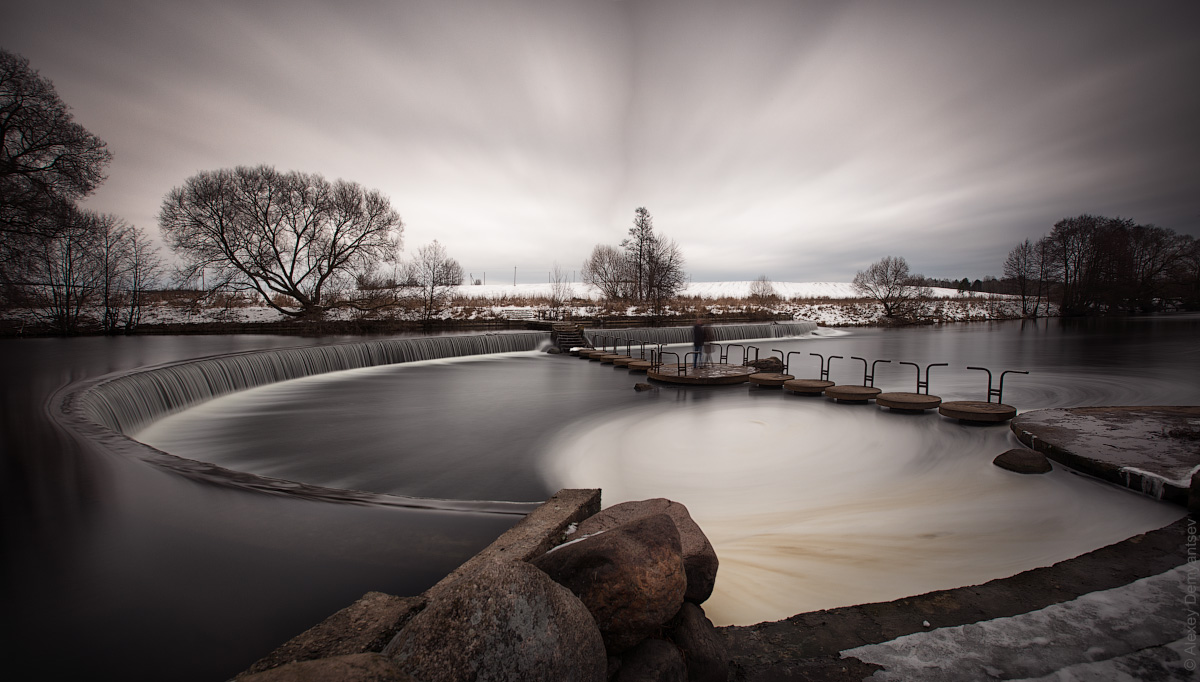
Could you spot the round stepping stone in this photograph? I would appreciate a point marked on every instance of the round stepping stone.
(807, 386)
(622, 362)
(852, 394)
(1023, 461)
(770, 379)
(639, 366)
(908, 402)
(977, 411)
(607, 358)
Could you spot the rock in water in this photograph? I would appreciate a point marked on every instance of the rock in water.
(654, 660)
(631, 577)
(703, 650)
(699, 557)
(507, 621)
(1023, 461)
(368, 667)
(767, 365)
(643, 386)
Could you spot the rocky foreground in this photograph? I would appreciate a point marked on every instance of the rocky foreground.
(570, 593)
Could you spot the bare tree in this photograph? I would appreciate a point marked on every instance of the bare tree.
(639, 249)
(560, 288)
(142, 269)
(664, 276)
(1021, 268)
(62, 271)
(607, 270)
(47, 163)
(431, 275)
(648, 270)
(889, 282)
(762, 291)
(291, 234)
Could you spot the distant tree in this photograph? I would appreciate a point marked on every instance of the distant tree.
(889, 282)
(639, 248)
(142, 269)
(431, 276)
(664, 274)
(288, 235)
(560, 288)
(1152, 252)
(762, 291)
(1021, 268)
(607, 269)
(649, 269)
(47, 163)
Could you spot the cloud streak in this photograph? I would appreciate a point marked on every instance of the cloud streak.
(798, 139)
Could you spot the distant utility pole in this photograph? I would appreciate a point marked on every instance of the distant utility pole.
(514, 275)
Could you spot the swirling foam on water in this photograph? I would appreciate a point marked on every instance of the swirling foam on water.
(814, 505)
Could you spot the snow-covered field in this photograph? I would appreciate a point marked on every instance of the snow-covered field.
(705, 290)
(826, 303)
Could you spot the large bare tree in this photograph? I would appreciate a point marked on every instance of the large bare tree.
(292, 235)
(47, 163)
(890, 282)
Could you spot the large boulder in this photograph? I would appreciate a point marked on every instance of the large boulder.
(699, 558)
(506, 621)
(631, 577)
(703, 649)
(654, 660)
(368, 667)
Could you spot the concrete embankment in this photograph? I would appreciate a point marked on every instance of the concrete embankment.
(1151, 449)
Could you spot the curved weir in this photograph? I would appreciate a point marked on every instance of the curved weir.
(111, 409)
(130, 401)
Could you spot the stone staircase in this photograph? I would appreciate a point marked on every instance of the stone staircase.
(567, 335)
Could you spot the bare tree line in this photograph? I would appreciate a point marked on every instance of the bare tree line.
(1094, 265)
(55, 257)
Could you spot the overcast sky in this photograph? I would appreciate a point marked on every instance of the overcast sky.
(801, 140)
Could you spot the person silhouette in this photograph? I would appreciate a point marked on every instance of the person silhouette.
(699, 336)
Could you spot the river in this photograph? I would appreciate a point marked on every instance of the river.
(114, 565)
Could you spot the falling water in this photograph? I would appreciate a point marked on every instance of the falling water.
(129, 402)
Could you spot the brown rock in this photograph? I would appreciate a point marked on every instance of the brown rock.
(631, 577)
(506, 621)
(767, 365)
(1023, 461)
(703, 649)
(368, 667)
(654, 660)
(699, 558)
(366, 625)
(643, 386)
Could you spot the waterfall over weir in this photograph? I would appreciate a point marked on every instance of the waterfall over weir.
(717, 332)
(130, 401)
